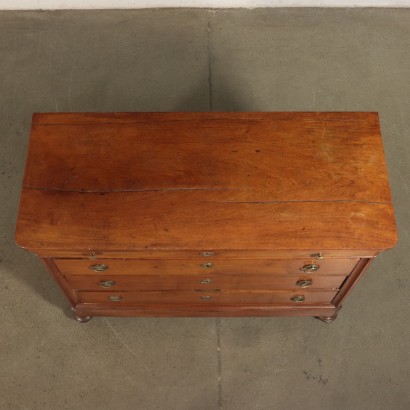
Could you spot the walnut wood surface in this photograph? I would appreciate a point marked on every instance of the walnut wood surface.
(181, 220)
(358, 271)
(201, 282)
(187, 267)
(327, 319)
(275, 158)
(188, 310)
(84, 118)
(215, 297)
(242, 254)
(61, 281)
(147, 193)
(198, 180)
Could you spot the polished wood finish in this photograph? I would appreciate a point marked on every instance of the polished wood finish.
(206, 266)
(196, 220)
(211, 297)
(202, 282)
(236, 158)
(61, 281)
(328, 319)
(81, 319)
(247, 168)
(93, 254)
(357, 272)
(157, 196)
(204, 310)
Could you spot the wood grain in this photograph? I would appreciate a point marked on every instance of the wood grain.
(81, 118)
(174, 267)
(256, 159)
(189, 310)
(358, 271)
(192, 220)
(147, 193)
(61, 281)
(92, 254)
(193, 282)
(219, 298)
(197, 180)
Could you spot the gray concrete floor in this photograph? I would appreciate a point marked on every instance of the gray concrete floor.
(199, 60)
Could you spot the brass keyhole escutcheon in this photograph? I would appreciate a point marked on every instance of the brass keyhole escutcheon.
(297, 298)
(207, 254)
(206, 281)
(115, 298)
(99, 267)
(207, 265)
(310, 267)
(107, 283)
(304, 283)
(206, 297)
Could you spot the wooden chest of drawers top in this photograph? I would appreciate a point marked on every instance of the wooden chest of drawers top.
(230, 183)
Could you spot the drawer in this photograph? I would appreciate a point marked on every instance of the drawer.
(111, 283)
(214, 254)
(210, 298)
(201, 266)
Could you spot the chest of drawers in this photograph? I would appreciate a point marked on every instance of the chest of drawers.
(206, 214)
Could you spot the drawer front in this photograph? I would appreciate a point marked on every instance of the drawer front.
(204, 266)
(215, 254)
(211, 298)
(111, 283)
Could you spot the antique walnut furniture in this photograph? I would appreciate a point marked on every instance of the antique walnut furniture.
(206, 214)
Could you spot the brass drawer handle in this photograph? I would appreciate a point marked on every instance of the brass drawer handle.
(115, 298)
(310, 267)
(207, 265)
(206, 297)
(297, 298)
(207, 254)
(107, 283)
(206, 281)
(99, 267)
(304, 283)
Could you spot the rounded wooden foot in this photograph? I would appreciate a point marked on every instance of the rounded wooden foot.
(82, 319)
(327, 319)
